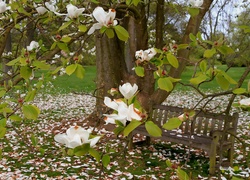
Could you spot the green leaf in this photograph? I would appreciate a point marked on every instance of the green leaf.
(30, 96)
(236, 178)
(182, 175)
(130, 127)
(239, 91)
(62, 46)
(118, 130)
(71, 69)
(173, 79)
(30, 111)
(34, 140)
(82, 28)
(41, 65)
(172, 60)
(183, 46)
(3, 122)
(25, 72)
(65, 39)
(203, 66)
(139, 71)
(70, 152)
(121, 33)
(192, 37)
(209, 53)
(94, 153)
(225, 50)
(13, 62)
(82, 150)
(22, 10)
(227, 77)
(193, 11)
(105, 160)
(2, 131)
(221, 80)
(15, 118)
(53, 46)
(136, 2)
(57, 70)
(165, 84)
(172, 123)
(2, 93)
(153, 129)
(199, 79)
(110, 32)
(80, 72)
(66, 24)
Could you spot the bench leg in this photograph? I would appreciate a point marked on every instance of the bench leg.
(231, 155)
(212, 163)
(130, 141)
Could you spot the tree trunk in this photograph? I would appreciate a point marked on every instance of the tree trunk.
(115, 61)
(159, 24)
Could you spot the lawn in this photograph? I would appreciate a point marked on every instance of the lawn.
(66, 84)
(30, 151)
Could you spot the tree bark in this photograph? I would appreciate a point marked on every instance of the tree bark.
(159, 24)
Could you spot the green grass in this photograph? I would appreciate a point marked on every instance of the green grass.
(66, 84)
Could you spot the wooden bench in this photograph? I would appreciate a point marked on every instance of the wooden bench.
(203, 131)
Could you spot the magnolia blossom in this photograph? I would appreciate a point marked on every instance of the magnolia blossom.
(3, 6)
(104, 19)
(76, 136)
(245, 102)
(196, 3)
(73, 11)
(51, 6)
(41, 10)
(33, 45)
(124, 113)
(145, 55)
(128, 90)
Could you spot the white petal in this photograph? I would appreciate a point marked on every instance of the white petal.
(94, 27)
(110, 104)
(94, 140)
(100, 15)
(76, 141)
(61, 138)
(41, 10)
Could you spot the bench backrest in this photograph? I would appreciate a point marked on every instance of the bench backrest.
(203, 123)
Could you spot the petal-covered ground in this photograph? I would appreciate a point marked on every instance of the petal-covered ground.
(30, 152)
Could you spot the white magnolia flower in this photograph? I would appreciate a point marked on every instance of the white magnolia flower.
(124, 113)
(145, 55)
(41, 10)
(76, 136)
(128, 90)
(51, 6)
(196, 3)
(3, 6)
(33, 45)
(245, 102)
(104, 19)
(73, 11)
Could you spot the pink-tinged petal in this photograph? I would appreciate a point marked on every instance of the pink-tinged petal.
(94, 140)
(109, 120)
(111, 104)
(133, 114)
(61, 138)
(109, 19)
(100, 15)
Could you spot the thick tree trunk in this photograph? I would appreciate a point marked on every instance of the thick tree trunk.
(115, 60)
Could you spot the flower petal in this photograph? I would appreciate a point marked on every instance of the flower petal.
(110, 104)
(94, 140)
(61, 138)
(99, 14)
